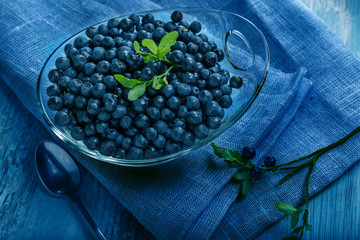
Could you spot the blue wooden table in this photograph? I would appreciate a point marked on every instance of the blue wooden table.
(28, 212)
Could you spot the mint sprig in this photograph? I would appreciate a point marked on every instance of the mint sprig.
(157, 53)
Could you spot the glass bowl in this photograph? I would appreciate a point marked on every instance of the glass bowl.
(246, 54)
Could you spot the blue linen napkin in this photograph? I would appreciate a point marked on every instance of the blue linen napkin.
(191, 198)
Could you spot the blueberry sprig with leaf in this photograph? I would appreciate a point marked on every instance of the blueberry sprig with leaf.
(247, 174)
(156, 53)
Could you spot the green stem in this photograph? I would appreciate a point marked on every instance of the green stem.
(307, 184)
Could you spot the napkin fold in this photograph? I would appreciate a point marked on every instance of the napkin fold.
(192, 198)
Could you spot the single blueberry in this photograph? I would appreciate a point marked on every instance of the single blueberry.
(62, 63)
(183, 89)
(54, 75)
(195, 27)
(148, 18)
(80, 102)
(176, 16)
(78, 133)
(53, 90)
(90, 129)
(98, 90)
(201, 131)
(55, 103)
(135, 153)
(236, 81)
(85, 89)
(93, 106)
(142, 121)
(125, 122)
(192, 103)
(173, 103)
(167, 91)
(89, 68)
(160, 141)
(167, 115)
(119, 112)
(69, 99)
(178, 134)
(101, 127)
(172, 147)
(91, 32)
(194, 117)
(270, 161)
(62, 118)
(103, 29)
(126, 143)
(107, 148)
(205, 96)
(248, 152)
(210, 59)
(225, 101)
(189, 139)
(92, 142)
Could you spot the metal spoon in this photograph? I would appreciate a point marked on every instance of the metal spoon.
(60, 176)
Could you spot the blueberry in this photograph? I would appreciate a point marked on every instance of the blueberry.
(172, 147)
(70, 72)
(96, 78)
(62, 118)
(54, 75)
(53, 90)
(149, 27)
(119, 139)
(120, 153)
(205, 74)
(225, 101)
(83, 117)
(89, 129)
(126, 143)
(98, 90)
(201, 83)
(194, 91)
(113, 23)
(92, 142)
(213, 122)
(183, 89)
(255, 172)
(167, 115)
(107, 148)
(188, 78)
(79, 61)
(119, 112)
(179, 45)
(104, 116)
(203, 37)
(78, 133)
(93, 106)
(135, 153)
(270, 161)
(169, 26)
(98, 54)
(175, 82)
(216, 93)
(192, 47)
(176, 57)
(187, 37)
(167, 91)
(80, 102)
(176, 16)
(197, 40)
(146, 74)
(55, 103)
(69, 99)
(142, 121)
(85, 89)
(219, 53)
(178, 134)
(201, 131)
(63, 82)
(103, 67)
(195, 27)
(205, 96)
(108, 42)
(161, 126)
(192, 103)
(80, 42)
(150, 133)
(143, 35)
(131, 131)
(62, 63)
(74, 85)
(130, 37)
(179, 123)
(125, 122)
(123, 55)
(189, 139)
(97, 39)
(140, 141)
(148, 18)
(103, 29)
(101, 127)
(248, 152)
(158, 34)
(160, 141)
(184, 23)
(173, 103)
(182, 112)
(226, 89)
(117, 66)
(212, 45)
(150, 152)
(89, 68)
(236, 81)
(72, 52)
(212, 108)
(210, 59)
(140, 105)
(194, 117)
(188, 65)
(111, 134)
(91, 32)
(110, 82)
(134, 19)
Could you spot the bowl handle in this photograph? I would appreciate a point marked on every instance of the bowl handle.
(249, 50)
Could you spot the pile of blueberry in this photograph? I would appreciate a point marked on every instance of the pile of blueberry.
(95, 107)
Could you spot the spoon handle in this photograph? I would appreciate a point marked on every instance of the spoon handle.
(86, 214)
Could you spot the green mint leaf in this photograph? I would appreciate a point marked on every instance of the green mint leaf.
(306, 216)
(166, 42)
(126, 82)
(290, 238)
(308, 227)
(149, 58)
(227, 155)
(136, 46)
(286, 208)
(297, 230)
(137, 92)
(245, 188)
(150, 44)
(241, 176)
(295, 220)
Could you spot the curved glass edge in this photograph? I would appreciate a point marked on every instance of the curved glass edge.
(163, 159)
